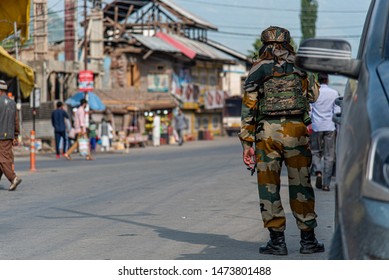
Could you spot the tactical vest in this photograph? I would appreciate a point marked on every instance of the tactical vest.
(283, 95)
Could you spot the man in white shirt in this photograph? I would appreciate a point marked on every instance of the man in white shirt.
(323, 133)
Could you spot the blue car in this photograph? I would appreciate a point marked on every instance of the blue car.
(362, 157)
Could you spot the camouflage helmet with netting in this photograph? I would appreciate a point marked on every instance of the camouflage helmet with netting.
(275, 34)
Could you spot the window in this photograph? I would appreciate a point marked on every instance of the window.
(133, 75)
(215, 122)
(198, 123)
(205, 122)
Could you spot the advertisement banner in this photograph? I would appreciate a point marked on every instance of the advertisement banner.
(214, 99)
(157, 83)
(85, 80)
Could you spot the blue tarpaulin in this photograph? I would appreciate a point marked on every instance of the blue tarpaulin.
(94, 101)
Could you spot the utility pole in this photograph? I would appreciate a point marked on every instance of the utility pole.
(41, 42)
(86, 63)
(19, 99)
(85, 39)
(40, 54)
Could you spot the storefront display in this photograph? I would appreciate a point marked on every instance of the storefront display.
(165, 125)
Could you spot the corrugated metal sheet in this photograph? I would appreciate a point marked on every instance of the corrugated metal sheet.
(188, 15)
(188, 52)
(177, 44)
(154, 43)
(203, 49)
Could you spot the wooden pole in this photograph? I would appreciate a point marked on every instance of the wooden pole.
(85, 39)
(86, 64)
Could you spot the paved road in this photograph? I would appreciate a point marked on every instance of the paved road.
(194, 202)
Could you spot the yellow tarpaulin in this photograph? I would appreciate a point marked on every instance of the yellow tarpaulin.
(18, 12)
(14, 68)
(12, 11)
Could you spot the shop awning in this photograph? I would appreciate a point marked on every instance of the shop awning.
(94, 101)
(11, 12)
(14, 68)
(133, 108)
(161, 104)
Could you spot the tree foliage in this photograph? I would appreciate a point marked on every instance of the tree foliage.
(308, 17)
(256, 46)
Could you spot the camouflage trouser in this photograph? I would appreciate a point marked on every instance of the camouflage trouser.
(285, 139)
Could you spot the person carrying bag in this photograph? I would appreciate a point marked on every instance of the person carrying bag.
(79, 127)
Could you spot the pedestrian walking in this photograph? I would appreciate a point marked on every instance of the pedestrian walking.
(180, 124)
(70, 132)
(58, 120)
(274, 118)
(323, 135)
(103, 133)
(80, 129)
(110, 133)
(9, 133)
(92, 133)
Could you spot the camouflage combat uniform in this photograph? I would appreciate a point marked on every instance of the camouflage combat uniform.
(279, 138)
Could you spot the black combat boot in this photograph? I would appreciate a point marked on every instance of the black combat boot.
(276, 245)
(309, 243)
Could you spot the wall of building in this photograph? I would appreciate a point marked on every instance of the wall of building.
(231, 78)
(43, 129)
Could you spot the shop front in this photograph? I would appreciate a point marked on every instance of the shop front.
(158, 125)
(159, 122)
(208, 125)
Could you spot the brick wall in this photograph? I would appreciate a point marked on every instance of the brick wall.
(43, 127)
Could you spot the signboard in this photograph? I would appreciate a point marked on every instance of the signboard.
(85, 80)
(35, 98)
(157, 83)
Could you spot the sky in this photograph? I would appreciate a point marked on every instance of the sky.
(339, 18)
(336, 18)
(240, 22)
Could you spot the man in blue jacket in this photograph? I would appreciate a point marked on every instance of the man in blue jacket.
(58, 121)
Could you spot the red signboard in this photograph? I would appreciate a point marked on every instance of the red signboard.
(85, 80)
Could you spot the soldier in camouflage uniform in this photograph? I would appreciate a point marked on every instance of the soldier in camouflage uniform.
(275, 117)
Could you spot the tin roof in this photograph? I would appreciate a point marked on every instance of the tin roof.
(192, 48)
(154, 43)
(170, 43)
(187, 51)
